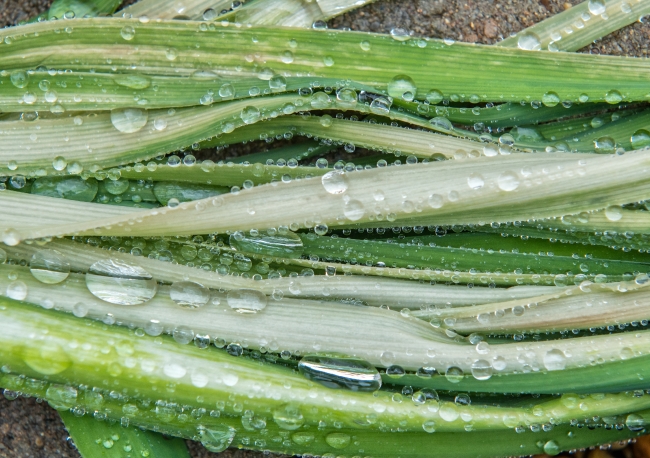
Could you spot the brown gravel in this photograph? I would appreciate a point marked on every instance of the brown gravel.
(29, 429)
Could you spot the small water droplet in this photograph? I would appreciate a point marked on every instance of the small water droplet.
(354, 210)
(217, 438)
(613, 97)
(550, 99)
(555, 360)
(529, 41)
(481, 369)
(250, 115)
(614, 213)
(381, 105)
(19, 79)
(552, 448)
(289, 417)
(338, 440)
(475, 181)
(399, 34)
(402, 87)
(127, 32)
(508, 181)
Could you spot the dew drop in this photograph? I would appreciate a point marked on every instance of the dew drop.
(529, 41)
(381, 105)
(129, 120)
(596, 7)
(338, 440)
(640, 139)
(247, 300)
(550, 99)
(217, 438)
(454, 374)
(402, 87)
(189, 294)
(127, 32)
(19, 79)
(289, 417)
(441, 123)
(635, 422)
(49, 267)
(551, 448)
(250, 115)
(554, 360)
(481, 369)
(354, 210)
(614, 213)
(613, 97)
(340, 373)
(605, 145)
(508, 181)
(335, 182)
(120, 283)
(17, 290)
(475, 181)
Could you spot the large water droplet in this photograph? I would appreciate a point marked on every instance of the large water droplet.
(338, 440)
(47, 360)
(19, 79)
(286, 245)
(381, 105)
(441, 123)
(250, 115)
(189, 294)
(289, 417)
(596, 7)
(129, 120)
(635, 422)
(475, 181)
(605, 145)
(554, 360)
(614, 213)
(349, 373)
(49, 266)
(217, 438)
(481, 369)
(247, 300)
(402, 87)
(70, 188)
(508, 181)
(61, 397)
(552, 448)
(454, 374)
(550, 99)
(613, 97)
(640, 139)
(335, 182)
(120, 283)
(354, 210)
(529, 42)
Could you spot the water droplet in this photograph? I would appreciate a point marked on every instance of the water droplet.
(365, 45)
(217, 438)
(17, 290)
(278, 83)
(529, 41)
(399, 34)
(129, 120)
(61, 397)
(434, 97)
(436, 201)
(550, 99)
(19, 79)
(640, 139)
(441, 123)
(429, 426)
(508, 181)
(287, 245)
(189, 294)
(381, 105)
(613, 97)
(348, 373)
(59, 163)
(354, 210)
(289, 417)
(247, 300)
(116, 187)
(614, 213)
(551, 448)
(403, 87)
(120, 283)
(335, 182)
(454, 374)
(338, 440)
(133, 81)
(635, 422)
(127, 32)
(596, 7)
(49, 266)
(605, 145)
(250, 115)
(475, 181)
(554, 360)
(481, 369)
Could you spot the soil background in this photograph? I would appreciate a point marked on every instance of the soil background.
(29, 429)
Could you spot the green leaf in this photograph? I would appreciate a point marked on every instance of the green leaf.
(102, 439)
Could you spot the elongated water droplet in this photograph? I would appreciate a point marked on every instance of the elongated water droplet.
(129, 120)
(287, 245)
(247, 300)
(49, 266)
(120, 283)
(133, 81)
(348, 373)
(70, 188)
(189, 294)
